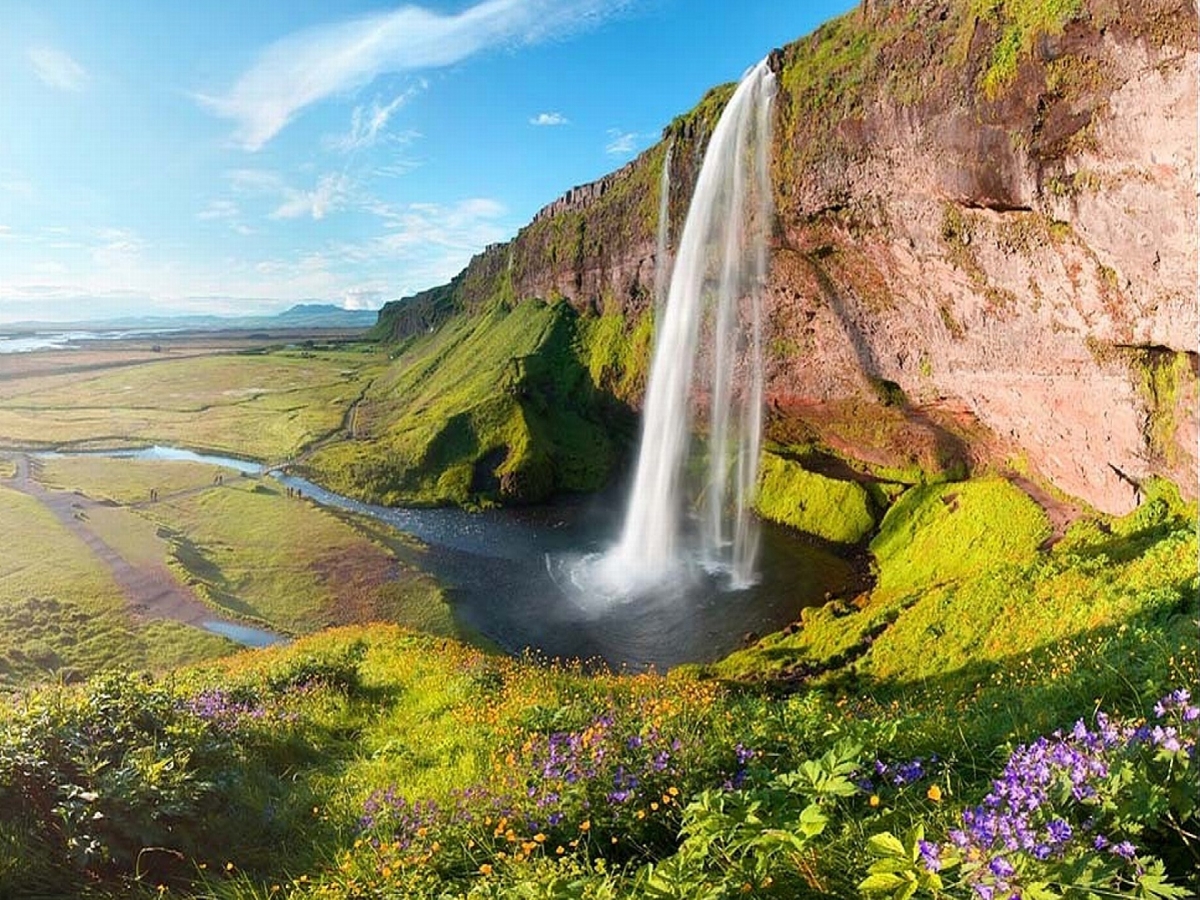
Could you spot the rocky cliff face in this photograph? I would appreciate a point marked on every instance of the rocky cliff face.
(986, 248)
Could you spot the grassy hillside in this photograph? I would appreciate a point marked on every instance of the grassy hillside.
(512, 403)
(876, 751)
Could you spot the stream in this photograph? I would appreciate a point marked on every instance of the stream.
(508, 576)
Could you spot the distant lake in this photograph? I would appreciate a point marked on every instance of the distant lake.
(28, 342)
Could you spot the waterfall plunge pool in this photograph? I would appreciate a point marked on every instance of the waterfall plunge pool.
(511, 576)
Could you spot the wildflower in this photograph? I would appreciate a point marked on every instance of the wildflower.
(485, 869)
(585, 826)
(931, 855)
(934, 793)
(1125, 850)
(560, 850)
(874, 801)
(540, 838)
(1001, 867)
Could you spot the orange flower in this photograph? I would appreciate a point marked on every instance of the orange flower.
(586, 826)
(485, 869)
(934, 793)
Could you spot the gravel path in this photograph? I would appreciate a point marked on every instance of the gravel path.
(153, 591)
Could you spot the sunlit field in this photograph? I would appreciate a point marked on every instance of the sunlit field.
(268, 406)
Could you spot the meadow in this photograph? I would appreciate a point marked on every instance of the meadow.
(63, 615)
(1014, 718)
(268, 406)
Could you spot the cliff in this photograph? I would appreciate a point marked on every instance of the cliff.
(986, 244)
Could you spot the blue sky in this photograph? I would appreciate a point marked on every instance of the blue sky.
(226, 157)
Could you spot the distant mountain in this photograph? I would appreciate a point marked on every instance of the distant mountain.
(302, 315)
(325, 315)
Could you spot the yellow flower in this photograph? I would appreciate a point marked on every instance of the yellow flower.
(560, 850)
(654, 807)
(934, 793)
(874, 801)
(586, 826)
(540, 838)
(485, 869)
(228, 867)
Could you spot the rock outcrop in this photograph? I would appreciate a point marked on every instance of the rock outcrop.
(986, 248)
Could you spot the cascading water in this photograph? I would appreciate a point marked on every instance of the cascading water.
(715, 290)
(662, 270)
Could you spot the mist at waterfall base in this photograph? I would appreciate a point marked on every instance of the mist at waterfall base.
(684, 533)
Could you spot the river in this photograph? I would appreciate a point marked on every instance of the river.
(508, 573)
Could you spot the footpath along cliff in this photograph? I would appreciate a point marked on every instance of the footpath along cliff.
(985, 250)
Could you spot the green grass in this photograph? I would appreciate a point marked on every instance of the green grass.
(265, 406)
(969, 605)
(1020, 24)
(496, 405)
(938, 533)
(250, 550)
(61, 613)
(838, 511)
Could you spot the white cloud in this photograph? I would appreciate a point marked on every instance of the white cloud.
(368, 123)
(330, 195)
(332, 192)
(429, 242)
(117, 249)
(362, 298)
(310, 65)
(56, 69)
(550, 118)
(219, 209)
(621, 143)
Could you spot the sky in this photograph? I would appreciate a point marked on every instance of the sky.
(238, 158)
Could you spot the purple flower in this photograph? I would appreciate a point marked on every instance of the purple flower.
(931, 855)
(1125, 850)
(1001, 867)
(1060, 831)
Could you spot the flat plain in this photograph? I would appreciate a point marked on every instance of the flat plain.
(116, 561)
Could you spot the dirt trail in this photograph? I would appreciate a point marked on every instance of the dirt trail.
(153, 591)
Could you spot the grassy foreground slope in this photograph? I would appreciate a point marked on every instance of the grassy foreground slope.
(374, 762)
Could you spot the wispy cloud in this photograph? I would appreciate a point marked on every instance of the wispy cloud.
(57, 69)
(332, 192)
(550, 118)
(621, 143)
(428, 242)
(318, 62)
(362, 298)
(368, 124)
(219, 209)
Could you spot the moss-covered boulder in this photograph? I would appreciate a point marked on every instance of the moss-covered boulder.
(838, 511)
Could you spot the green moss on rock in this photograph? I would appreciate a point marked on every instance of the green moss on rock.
(939, 533)
(838, 511)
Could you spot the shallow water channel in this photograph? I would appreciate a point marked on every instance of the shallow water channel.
(508, 574)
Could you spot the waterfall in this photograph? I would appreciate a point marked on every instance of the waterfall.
(715, 295)
(662, 271)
